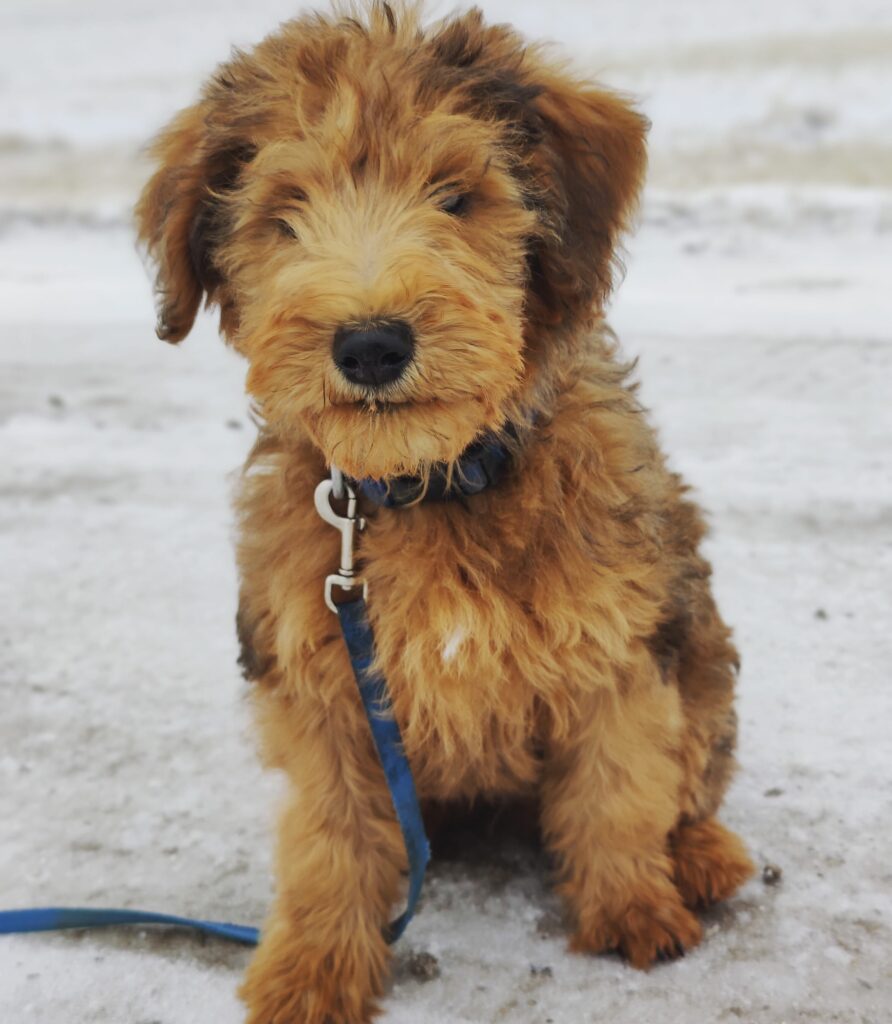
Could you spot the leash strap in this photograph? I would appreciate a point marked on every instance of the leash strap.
(385, 734)
(53, 919)
(388, 742)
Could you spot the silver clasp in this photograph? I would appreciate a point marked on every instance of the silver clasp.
(345, 578)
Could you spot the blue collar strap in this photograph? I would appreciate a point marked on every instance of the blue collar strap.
(479, 466)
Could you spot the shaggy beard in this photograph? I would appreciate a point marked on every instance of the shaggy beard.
(386, 440)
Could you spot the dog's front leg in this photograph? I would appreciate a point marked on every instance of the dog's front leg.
(322, 956)
(609, 801)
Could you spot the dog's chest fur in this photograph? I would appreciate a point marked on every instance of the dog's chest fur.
(491, 642)
(498, 622)
(454, 652)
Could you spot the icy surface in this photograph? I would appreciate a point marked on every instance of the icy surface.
(758, 298)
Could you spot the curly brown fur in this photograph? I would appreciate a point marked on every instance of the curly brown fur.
(552, 639)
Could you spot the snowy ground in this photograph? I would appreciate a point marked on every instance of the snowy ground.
(758, 297)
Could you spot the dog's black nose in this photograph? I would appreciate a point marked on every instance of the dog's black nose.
(373, 355)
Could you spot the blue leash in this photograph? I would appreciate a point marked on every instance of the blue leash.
(54, 919)
(386, 734)
(388, 743)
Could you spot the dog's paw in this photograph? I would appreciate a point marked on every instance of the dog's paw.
(291, 983)
(296, 1000)
(299, 1007)
(646, 931)
(710, 863)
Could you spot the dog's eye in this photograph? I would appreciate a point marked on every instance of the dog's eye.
(292, 199)
(455, 204)
(285, 228)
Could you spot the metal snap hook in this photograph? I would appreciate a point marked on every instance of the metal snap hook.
(345, 578)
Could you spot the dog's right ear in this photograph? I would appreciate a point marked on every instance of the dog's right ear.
(181, 218)
(588, 167)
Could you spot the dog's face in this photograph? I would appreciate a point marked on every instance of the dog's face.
(393, 224)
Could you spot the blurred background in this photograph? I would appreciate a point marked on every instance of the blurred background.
(758, 299)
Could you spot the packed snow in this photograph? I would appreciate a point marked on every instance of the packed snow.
(758, 299)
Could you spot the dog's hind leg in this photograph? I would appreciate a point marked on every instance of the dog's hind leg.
(323, 956)
(609, 801)
(711, 862)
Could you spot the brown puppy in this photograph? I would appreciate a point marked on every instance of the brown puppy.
(456, 198)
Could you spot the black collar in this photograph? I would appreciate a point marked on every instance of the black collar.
(481, 465)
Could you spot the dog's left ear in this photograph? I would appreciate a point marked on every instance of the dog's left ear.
(180, 217)
(588, 167)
